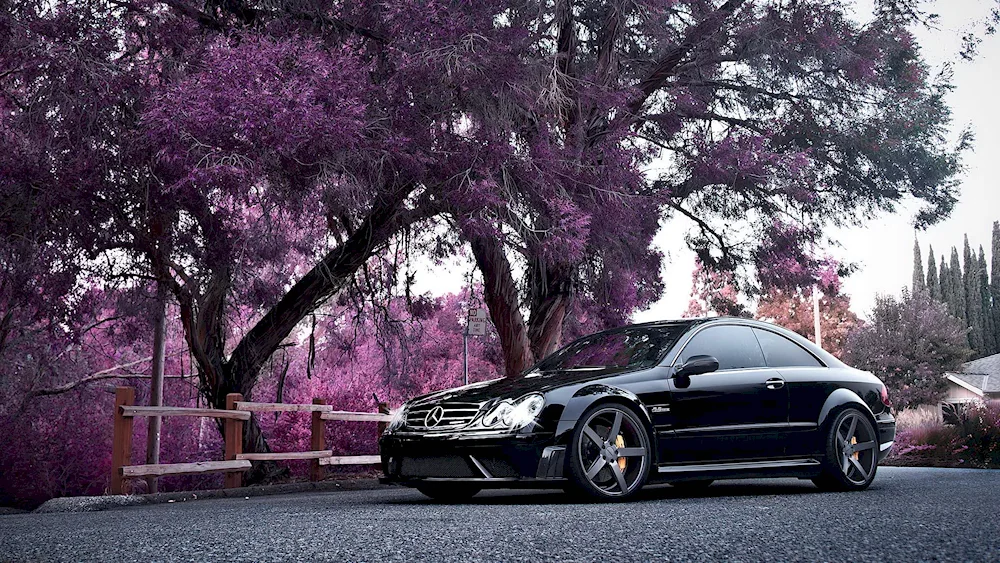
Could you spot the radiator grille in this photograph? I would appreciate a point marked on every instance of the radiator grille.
(453, 415)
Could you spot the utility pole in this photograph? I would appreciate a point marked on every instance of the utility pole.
(816, 319)
(156, 383)
(159, 349)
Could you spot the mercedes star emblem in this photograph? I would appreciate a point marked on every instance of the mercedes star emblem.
(434, 417)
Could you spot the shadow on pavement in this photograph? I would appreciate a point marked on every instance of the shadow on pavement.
(734, 488)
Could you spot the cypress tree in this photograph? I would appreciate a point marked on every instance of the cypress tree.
(973, 304)
(995, 286)
(918, 282)
(956, 303)
(986, 314)
(944, 283)
(933, 288)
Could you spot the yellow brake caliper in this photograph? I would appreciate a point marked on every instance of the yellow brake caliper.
(620, 443)
(855, 455)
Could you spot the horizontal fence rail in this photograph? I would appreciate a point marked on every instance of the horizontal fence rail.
(184, 411)
(184, 468)
(236, 462)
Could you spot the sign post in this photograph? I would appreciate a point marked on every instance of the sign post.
(475, 327)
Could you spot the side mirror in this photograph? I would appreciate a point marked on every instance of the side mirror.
(696, 365)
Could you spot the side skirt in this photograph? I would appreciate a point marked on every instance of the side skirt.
(773, 467)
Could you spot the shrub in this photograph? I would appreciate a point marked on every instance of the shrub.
(979, 424)
(923, 415)
(973, 442)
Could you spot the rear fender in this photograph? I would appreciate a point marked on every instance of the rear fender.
(836, 402)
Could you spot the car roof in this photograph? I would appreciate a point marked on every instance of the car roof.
(827, 358)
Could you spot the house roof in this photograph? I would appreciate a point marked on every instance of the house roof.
(979, 376)
(990, 365)
(974, 382)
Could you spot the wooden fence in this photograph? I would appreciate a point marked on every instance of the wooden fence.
(237, 412)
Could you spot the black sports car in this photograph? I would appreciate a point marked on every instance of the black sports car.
(683, 402)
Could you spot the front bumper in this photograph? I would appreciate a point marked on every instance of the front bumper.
(497, 460)
(886, 433)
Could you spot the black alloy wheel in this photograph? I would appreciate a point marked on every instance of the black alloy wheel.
(449, 492)
(610, 454)
(851, 453)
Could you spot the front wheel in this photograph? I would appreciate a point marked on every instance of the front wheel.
(610, 453)
(450, 492)
(851, 453)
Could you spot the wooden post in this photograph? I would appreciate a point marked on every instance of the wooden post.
(318, 443)
(383, 408)
(234, 440)
(121, 446)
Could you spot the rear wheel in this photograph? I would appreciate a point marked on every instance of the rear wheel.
(851, 453)
(449, 492)
(610, 453)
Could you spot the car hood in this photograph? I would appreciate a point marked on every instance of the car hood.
(508, 388)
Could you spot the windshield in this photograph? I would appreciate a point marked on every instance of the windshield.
(627, 347)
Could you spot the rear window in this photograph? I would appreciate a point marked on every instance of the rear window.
(781, 352)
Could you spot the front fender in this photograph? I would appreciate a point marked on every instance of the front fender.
(839, 399)
(590, 395)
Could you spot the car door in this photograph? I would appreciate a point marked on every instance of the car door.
(808, 383)
(738, 412)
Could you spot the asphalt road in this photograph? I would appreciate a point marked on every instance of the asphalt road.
(908, 514)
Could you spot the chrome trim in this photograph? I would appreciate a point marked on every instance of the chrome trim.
(886, 446)
(480, 467)
(442, 417)
(520, 480)
(774, 464)
(757, 426)
(658, 410)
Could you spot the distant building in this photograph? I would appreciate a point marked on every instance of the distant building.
(979, 380)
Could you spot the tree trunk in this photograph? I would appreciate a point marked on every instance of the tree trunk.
(551, 292)
(204, 318)
(503, 302)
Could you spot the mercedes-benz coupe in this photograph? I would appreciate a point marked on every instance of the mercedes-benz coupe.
(684, 402)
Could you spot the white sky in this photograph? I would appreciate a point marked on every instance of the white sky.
(883, 250)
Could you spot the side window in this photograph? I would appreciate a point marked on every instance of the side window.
(782, 352)
(734, 346)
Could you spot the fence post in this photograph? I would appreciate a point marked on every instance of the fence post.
(121, 445)
(318, 442)
(234, 440)
(383, 408)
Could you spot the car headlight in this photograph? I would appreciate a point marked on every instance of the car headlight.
(525, 411)
(497, 413)
(398, 419)
(515, 415)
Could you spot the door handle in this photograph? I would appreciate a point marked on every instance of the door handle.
(774, 383)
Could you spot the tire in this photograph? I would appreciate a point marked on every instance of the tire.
(692, 486)
(610, 453)
(851, 453)
(449, 492)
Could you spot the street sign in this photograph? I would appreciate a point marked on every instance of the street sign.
(477, 322)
